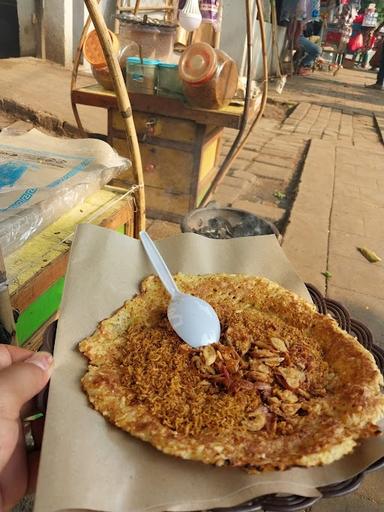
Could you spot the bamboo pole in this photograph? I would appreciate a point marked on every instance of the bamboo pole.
(275, 52)
(75, 70)
(217, 37)
(117, 21)
(291, 48)
(122, 101)
(137, 7)
(244, 120)
(239, 141)
(265, 73)
(171, 10)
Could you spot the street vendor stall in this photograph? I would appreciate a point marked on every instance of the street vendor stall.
(179, 145)
(179, 134)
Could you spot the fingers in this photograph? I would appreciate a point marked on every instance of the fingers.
(22, 381)
(10, 354)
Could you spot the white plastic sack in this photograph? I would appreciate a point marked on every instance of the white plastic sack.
(42, 177)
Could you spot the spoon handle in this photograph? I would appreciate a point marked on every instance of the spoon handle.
(158, 264)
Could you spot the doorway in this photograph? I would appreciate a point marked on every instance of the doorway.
(9, 29)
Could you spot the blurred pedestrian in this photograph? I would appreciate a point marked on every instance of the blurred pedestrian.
(379, 84)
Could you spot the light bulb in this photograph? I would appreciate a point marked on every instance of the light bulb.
(190, 17)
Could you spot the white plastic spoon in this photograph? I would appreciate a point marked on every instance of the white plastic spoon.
(193, 319)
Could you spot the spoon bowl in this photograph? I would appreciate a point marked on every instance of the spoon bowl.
(192, 318)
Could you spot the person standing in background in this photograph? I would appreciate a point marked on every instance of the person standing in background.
(379, 85)
(344, 24)
(378, 48)
(368, 25)
(355, 43)
(299, 13)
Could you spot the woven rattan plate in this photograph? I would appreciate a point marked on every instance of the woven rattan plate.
(293, 503)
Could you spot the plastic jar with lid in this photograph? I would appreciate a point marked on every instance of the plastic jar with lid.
(168, 81)
(141, 75)
(209, 76)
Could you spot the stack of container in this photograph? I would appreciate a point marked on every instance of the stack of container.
(148, 76)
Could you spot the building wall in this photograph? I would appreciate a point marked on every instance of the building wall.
(79, 16)
(58, 21)
(27, 29)
(233, 30)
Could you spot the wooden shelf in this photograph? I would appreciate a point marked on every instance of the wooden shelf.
(95, 95)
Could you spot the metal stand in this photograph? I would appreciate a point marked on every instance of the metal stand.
(124, 104)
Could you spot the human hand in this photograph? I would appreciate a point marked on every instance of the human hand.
(23, 374)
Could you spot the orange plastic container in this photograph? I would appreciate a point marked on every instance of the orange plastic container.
(209, 76)
(93, 51)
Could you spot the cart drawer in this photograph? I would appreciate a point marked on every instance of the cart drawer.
(162, 127)
(163, 205)
(166, 168)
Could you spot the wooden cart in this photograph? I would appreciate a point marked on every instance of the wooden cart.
(179, 146)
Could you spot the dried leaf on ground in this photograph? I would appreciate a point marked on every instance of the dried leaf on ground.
(369, 255)
(279, 195)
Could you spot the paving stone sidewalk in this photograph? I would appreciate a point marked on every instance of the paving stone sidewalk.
(345, 91)
(329, 165)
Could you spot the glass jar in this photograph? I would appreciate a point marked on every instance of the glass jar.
(141, 75)
(168, 81)
(155, 39)
(209, 76)
(130, 49)
(143, 35)
(165, 41)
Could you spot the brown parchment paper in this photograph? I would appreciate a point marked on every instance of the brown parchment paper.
(86, 463)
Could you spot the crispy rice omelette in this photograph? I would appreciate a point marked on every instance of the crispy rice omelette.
(285, 387)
